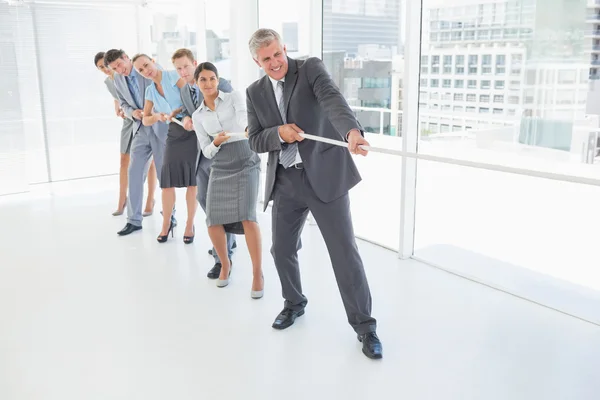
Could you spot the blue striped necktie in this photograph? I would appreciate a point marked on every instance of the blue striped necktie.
(135, 89)
(288, 150)
(194, 96)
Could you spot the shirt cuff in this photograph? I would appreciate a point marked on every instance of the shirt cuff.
(280, 139)
(212, 149)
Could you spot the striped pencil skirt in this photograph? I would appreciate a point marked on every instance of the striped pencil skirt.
(233, 187)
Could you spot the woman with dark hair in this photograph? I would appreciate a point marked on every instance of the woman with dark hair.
(220, 123)
(126, 137)
(163, 102)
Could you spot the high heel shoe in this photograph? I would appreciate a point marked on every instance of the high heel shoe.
(258, 294)
(163, 238)
(147, 214)
(122, 210)
(224, 282)
(190, 239)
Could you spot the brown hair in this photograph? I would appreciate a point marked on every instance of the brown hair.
(183, 53)
(134, 59)
(113, 55)
(99, 56)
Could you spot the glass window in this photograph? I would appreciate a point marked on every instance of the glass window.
(531, 107)
(486, 64)
(290, 20)
(82, 136)
(23, 152)
(368, 37)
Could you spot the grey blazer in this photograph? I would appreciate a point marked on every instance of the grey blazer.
(314, 103)
(186, 96)
(128, 104)
(110, 85)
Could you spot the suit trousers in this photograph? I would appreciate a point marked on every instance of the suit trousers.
(293, 198)
(202, 178)
(145, 144)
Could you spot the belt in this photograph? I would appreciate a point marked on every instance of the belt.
(296, 166)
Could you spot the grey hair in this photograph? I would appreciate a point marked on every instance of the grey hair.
(262, 38)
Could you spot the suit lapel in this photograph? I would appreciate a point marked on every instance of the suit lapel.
(186, 98)
(124, 89)
(290, 83)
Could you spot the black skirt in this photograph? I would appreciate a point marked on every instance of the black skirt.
(180, 158)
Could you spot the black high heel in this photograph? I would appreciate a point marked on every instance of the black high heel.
(190, 239)
(163, 239)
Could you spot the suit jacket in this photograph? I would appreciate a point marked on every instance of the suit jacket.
(314, 103)
(188, 103)
(110, 85)
(128, 104)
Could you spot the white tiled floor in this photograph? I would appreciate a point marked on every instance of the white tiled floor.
(85, 314)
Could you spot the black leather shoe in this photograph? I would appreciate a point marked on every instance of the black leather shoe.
(371, 345)
(216, 270)
(286, 318)
(129, 228)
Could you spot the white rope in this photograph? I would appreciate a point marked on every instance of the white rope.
(231, 134)
(464, 163)
(447, 160)
(178, 122)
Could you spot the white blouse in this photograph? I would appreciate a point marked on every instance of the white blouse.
(229, 116)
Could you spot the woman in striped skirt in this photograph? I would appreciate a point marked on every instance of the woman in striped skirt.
(235, 173)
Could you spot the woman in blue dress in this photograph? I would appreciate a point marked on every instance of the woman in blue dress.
(163, 102)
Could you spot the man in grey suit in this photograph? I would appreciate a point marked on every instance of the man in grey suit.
(303, 175)
(148, 141)
(185, 63)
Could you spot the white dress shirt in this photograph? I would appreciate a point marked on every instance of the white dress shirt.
(279, 97)
(229, 116)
